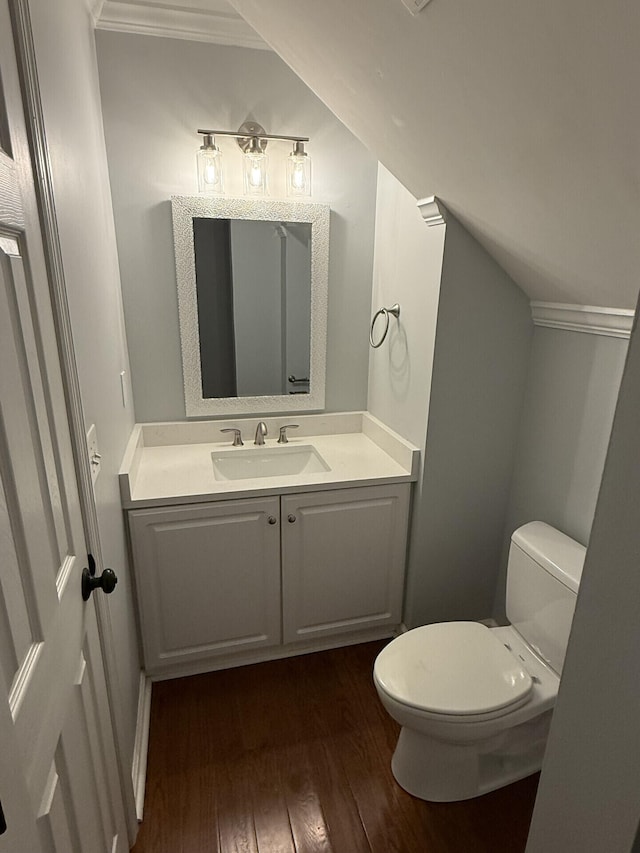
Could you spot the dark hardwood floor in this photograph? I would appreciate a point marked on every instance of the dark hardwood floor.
(293, 756)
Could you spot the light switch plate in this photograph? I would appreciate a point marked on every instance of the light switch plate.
(94, 454)
(414, 6)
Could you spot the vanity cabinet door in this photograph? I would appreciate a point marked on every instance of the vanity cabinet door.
(207, 579)
(343, 559)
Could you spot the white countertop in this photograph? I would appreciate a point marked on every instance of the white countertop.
(158, 473)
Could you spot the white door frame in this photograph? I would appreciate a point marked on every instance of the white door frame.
(25, 52)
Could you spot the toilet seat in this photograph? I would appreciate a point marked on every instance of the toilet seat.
(453, 669)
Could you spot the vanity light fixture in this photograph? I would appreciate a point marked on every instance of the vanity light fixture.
(253, 139)
(254, 168)
(298, 171)
(209, 159)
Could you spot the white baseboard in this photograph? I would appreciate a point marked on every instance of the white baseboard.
(141, 745)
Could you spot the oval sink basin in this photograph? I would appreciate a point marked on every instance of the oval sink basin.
(267, 462)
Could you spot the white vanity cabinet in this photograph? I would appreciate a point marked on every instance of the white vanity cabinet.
(247, 579)
(343, 559)
(207, 579)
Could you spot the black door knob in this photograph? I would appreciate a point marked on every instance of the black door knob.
(106, 582)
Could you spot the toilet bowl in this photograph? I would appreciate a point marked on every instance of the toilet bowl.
(475, 703)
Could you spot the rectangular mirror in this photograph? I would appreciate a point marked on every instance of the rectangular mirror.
(252, 281)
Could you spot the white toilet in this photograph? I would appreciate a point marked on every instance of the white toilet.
(475, 703)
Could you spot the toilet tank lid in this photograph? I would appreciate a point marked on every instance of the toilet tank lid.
(556, 552)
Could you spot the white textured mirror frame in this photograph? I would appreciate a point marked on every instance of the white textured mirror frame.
(184, 209)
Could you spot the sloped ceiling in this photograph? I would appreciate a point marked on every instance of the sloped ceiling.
(522, 117)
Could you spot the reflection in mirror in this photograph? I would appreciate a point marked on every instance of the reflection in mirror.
(253, 285)
(252, 281)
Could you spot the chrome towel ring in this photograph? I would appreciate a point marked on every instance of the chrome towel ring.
(395, 310)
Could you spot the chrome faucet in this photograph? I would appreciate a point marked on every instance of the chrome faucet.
(261, 431)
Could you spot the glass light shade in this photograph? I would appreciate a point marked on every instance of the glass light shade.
(255, 173)
(298, 172)
(210, 173)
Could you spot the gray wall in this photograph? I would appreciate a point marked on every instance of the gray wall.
(482, 345)
(155, 93)
(406, 269)
(68, 76)
(570, 399)
(589, 794)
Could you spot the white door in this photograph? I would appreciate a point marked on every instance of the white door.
(58, 775)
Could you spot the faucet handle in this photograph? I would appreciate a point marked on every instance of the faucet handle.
(237, 437)
(283, 432)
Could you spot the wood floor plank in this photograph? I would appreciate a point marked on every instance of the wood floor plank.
(329, 711)
(294, 756)
(161, 836)
(346, 829)
(199, 825)
(306, 814)
(374, 794)
(236, 826)
(270, 813)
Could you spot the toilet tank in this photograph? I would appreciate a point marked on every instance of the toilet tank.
(543, 576)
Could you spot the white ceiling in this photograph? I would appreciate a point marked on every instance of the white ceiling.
(522, 117)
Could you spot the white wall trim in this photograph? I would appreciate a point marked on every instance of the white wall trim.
(612, 322)
(195, 22)
(433, 211)
(141, 744)
(95, 8)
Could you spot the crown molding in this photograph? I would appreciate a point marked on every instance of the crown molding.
(612, 322)
(95, 8)
(213, 21)
(433, 211)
